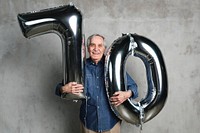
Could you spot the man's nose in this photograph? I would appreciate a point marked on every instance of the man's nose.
(96, 47)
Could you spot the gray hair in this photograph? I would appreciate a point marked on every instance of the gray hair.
(93, 35)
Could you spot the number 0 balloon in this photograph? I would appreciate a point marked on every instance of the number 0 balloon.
(66, 21)
(151, 56)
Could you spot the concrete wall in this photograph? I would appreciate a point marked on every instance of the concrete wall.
(30, 68)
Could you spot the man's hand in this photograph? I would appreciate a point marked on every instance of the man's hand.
(120, 96)
(72, 87)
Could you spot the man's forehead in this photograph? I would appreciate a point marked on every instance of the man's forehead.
(96, 38)
(96, 41)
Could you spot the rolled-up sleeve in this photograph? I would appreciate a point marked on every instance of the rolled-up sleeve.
(131, 85)
(57, 89)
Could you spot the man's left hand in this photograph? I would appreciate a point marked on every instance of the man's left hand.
(120, 96)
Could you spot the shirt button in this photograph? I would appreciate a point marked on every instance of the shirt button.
(97, 86)
(97, 77)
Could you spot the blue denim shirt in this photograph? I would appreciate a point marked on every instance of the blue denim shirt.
(95, 111)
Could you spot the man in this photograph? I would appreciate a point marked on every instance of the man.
(95, 112)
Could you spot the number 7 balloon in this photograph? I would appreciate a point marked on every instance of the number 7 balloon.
(66, 22)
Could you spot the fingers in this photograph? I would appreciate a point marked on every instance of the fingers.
(116, 103)
(118, 98)
(78, 88)
(116, 93)
(73, 87)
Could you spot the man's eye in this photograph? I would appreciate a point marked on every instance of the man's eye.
(100, 45)
(92, 44)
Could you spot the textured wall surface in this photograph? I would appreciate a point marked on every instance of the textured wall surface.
(30, 68)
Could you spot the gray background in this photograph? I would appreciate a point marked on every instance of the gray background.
(30, 68)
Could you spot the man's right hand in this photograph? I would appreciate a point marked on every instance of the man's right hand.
(72, 87)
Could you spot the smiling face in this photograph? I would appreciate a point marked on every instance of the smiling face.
(96, 48)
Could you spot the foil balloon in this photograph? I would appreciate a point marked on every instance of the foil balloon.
(66, 22)
(143, 48)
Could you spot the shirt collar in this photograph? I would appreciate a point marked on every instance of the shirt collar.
(100, 62)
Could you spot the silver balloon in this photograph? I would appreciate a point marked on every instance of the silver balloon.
(149, 53)
(66, 22)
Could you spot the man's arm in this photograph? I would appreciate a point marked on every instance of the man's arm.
(121, 96)
(131, 85)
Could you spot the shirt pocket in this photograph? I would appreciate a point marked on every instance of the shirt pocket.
(89, 84)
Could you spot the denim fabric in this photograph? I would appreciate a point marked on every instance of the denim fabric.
(95, 111)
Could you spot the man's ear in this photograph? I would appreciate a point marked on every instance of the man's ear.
(105, 51)
(87, 48)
